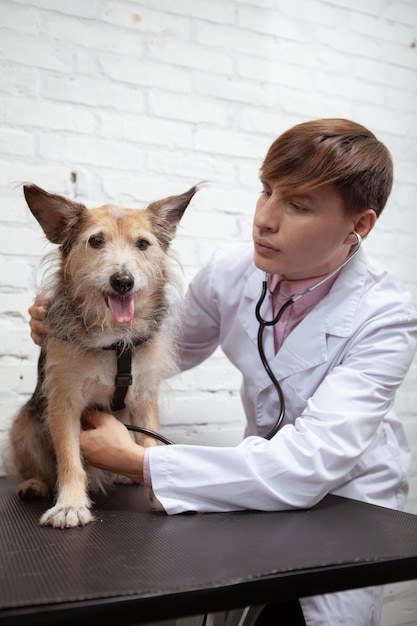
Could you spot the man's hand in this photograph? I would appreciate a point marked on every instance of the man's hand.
(106, 443)
(38, 326)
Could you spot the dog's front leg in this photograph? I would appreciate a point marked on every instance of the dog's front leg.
(72, 507)
(144, 411)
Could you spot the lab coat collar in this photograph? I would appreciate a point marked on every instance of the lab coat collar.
(334, 315)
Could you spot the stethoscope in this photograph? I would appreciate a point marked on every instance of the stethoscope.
(263, 323)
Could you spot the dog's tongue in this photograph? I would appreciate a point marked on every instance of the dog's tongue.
(122, 309)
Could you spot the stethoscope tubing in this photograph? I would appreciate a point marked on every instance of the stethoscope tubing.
(263, 323)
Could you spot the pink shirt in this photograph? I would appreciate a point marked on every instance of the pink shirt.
(281, 290)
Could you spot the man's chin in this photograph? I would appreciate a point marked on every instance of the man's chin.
(264, 265)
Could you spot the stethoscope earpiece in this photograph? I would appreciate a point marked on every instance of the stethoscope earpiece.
(359, 238)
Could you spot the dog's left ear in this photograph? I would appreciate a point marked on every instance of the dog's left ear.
(166, 214)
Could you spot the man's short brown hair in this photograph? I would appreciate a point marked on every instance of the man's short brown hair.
(336, 151)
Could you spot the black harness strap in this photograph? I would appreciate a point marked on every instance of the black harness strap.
(123, 378)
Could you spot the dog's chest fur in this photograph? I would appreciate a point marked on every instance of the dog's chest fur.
(87, 378)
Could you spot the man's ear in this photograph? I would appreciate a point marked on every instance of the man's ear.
(364, 222)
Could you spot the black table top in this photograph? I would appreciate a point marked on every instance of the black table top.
(133, 565)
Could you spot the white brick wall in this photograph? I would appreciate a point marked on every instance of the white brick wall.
(142, 99)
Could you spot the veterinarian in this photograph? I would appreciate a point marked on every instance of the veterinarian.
(340, 353)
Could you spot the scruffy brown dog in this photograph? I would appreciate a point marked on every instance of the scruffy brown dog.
(114, 288)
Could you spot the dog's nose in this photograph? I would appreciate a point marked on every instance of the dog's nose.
(122, 282)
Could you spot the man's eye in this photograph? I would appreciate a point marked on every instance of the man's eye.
(97, 241)
(142, 244)
(298, 207)
(266, 193)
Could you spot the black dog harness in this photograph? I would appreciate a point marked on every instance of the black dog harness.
(123, 378)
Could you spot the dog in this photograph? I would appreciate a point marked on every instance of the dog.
(114, 285)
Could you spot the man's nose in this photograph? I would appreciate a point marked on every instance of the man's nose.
(267, 215)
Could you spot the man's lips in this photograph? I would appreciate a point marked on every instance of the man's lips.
(264, 247)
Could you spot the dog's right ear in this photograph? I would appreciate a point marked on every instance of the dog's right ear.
(54, 213)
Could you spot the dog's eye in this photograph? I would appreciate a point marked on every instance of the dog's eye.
(142, 244)
(96, 241)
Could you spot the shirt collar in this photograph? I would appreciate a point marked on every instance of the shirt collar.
(283, 289)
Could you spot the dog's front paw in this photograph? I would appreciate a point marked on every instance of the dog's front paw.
(32, 488)
(66, 516)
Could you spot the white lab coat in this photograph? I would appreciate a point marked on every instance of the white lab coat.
(339, 370)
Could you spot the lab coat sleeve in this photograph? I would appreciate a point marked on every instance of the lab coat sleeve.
(307, 459)
(201, 320)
